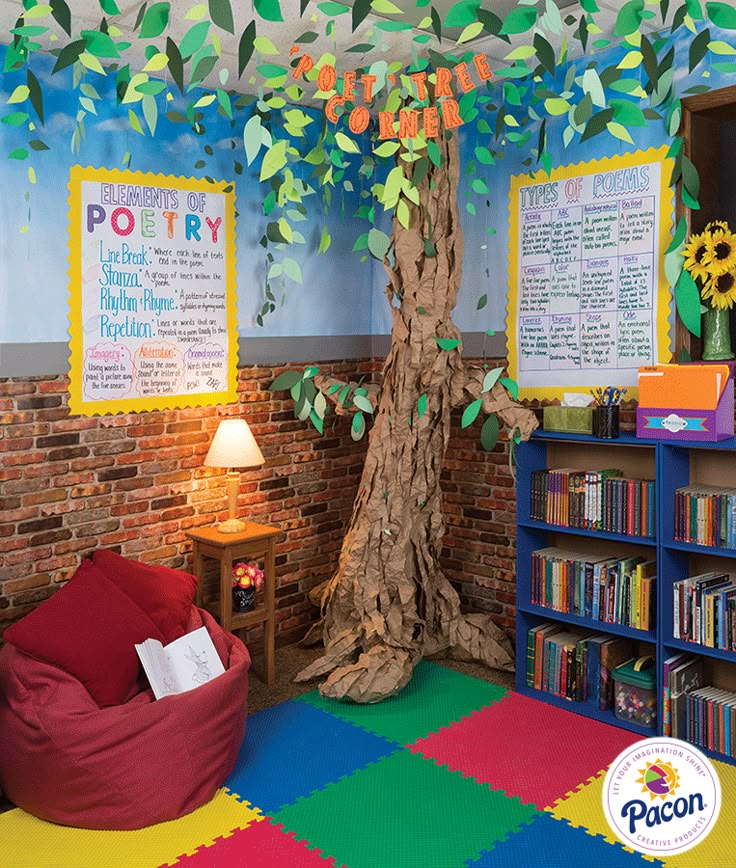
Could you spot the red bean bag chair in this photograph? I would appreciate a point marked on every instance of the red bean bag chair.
(71, 753)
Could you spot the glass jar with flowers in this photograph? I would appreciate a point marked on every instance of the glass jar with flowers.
(710, 259)
(247, 579)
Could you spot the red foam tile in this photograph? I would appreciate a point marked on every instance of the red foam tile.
(526, 748)
(260, 845)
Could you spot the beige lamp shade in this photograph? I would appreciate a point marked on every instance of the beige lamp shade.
(234, 446)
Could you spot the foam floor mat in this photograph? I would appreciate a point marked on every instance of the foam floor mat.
(453, 772)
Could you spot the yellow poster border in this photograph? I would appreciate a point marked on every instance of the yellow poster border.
(77, 404)
(663, 304)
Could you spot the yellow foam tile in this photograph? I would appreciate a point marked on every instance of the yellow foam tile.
(27, 842)
(584, 808)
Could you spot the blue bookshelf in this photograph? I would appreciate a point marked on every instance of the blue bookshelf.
(672, 465)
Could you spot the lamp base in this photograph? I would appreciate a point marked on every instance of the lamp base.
(232, 525)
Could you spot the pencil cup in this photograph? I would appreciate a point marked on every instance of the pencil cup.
(605, 421)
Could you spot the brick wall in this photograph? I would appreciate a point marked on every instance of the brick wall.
(135, 483)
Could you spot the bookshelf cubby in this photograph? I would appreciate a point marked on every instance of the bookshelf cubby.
(672, 465)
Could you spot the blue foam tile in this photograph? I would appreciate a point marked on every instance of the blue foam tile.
(293, 748)
(555, 844)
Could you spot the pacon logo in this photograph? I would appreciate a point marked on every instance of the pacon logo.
(661, 796)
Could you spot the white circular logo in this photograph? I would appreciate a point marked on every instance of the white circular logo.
(661, 796)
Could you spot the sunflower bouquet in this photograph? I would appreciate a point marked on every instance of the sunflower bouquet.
(710, 259)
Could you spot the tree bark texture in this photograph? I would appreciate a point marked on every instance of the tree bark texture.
(389, 604)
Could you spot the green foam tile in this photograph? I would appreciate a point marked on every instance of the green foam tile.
(435, 697)
(404, 811)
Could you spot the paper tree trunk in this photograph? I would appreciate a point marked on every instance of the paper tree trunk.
(389, 604)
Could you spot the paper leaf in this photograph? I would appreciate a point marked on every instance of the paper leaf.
(378, 244)
(357, 427)
(490, 379)
(447, 343)
(722, 15)
(687, 300)
(270, 10)
(470, 413)
(222, 15)
(155, 20)
(273, 160)
(285, 380)
(489, 433)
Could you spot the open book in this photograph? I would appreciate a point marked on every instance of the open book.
(182, 665)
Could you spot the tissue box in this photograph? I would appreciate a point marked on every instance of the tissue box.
(686, 402)
(569, 420)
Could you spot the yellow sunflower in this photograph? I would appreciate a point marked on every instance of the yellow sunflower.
(717, 224)
(721, 290)
(696, 256)
(720, 248)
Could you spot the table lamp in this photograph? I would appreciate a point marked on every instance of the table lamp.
(233, 446)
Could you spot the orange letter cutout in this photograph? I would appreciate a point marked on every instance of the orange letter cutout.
(442, 86)
(451, 114)
(386, 125)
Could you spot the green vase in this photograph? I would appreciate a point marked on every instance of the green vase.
(716, 335)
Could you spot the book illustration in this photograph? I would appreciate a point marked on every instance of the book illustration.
(182, 665)
(202, 672)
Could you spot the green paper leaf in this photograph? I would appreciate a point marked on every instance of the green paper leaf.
(222, 15)
(629, 18)
(357, 426)
(331, 8)
(490, 379)
(511, 386)
(246, 47)
(35, 94)
(687, 299)
(422, 405)
(325, 241)
(285, 380)
(378, 244)
(722, 15)
(252, 138)
(462, 13)
(361, 8)
(690, 177)
(482, 302)
(673, 264)
(62, 15)
(346, 144)
(175, 64)
(678, 237)
(688, 201)
(18, 154)
(698, 48)
(470, 413)
(489, 433)
(109, 7)
(155, 21)
(69, 55)
(270, 10)
(194, 39)
(362, 403)
(447, 343)
(520, 19)
(274, 160)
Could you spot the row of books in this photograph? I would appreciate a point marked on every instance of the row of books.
(706, 515)
(681, 675)
(704, 610)
(711, 719)
(575, 665)
(609, 589)
(594, 500)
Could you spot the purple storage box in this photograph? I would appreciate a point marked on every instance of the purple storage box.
(673, 423)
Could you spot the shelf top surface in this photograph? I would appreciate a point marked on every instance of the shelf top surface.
(250, 533)
(629, 438)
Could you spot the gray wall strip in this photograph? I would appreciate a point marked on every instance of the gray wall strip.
(47, 359)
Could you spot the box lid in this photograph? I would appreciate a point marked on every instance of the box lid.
(639, 672)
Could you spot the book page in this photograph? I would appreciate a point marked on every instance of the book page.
(193, 660)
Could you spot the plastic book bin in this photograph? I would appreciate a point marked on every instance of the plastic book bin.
(635, 691)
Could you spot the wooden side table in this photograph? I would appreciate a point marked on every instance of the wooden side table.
(256, 541)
